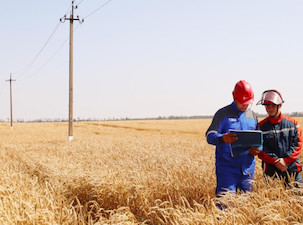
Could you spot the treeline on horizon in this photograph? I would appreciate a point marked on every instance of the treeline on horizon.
(293, 114)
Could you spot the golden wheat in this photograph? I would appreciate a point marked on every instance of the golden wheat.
(127, 172)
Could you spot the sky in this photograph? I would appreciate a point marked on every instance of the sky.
(148, 58)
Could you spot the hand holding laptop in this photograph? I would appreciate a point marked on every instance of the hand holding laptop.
(230, 137)
(254, 151)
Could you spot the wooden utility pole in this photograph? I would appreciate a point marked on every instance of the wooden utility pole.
(11, 99)
(71, 40)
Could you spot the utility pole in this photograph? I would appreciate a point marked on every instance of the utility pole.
(71, 40)
(11, 99)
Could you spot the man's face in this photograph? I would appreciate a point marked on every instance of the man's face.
(241, 107)
(273, 110)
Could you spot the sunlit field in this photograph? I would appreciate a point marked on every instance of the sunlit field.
(127, 172)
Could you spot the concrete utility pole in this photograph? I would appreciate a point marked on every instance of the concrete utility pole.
(11, 99)
(71, 40)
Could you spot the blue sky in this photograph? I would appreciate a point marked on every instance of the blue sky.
(140, 58)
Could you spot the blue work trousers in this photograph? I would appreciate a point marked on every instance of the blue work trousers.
(229, 180)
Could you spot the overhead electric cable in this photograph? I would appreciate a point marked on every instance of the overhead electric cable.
(56, 52)
(35, 58)
(2, 88)
(80, 2)
(97, 9)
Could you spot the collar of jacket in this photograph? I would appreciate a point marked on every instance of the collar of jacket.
(233, 105)
(276, 120)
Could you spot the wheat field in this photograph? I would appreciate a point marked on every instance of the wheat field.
(127, 172)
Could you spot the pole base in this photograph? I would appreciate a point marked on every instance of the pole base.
(70, 138)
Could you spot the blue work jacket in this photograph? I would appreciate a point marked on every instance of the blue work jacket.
(282, 139)
(226, 118)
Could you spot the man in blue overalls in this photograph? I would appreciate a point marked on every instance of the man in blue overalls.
(234, 172)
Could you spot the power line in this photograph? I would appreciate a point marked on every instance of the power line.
(80, 3)
(35, 58)
(2, 88)
(25, 69)
(55, 53)
(97, 9)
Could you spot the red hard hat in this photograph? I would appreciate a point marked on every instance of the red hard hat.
(243, 92)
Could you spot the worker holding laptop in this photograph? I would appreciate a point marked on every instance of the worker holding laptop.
(234, 170)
